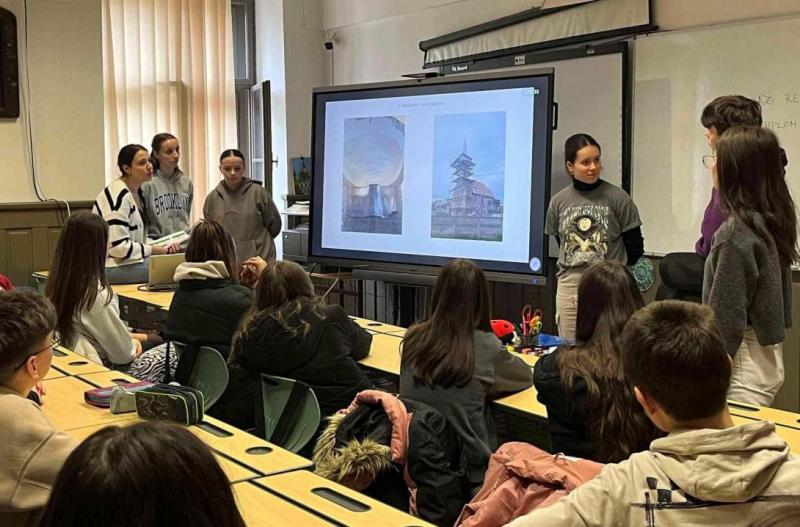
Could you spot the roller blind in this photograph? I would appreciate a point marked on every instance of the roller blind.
(540, 29)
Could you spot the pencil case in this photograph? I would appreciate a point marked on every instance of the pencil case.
(167, 402)
(102, 397)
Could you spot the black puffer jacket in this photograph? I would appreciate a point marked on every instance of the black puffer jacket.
(388, 447)
(325, 358)
(206, 311)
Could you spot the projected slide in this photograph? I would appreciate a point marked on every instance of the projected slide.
(444, 175)
(419, 172)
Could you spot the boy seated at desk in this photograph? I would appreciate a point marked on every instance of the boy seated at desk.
(706, 471)
(33, 450)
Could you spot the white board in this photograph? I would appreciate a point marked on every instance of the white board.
(676, 75)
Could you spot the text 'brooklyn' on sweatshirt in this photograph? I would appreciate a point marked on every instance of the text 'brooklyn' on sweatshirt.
(168, 203)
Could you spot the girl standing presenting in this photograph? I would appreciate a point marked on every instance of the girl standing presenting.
(748, 271)
(592, 221)
(168, 196)
(245, 208)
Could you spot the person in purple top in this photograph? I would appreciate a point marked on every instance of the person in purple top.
(682, 273)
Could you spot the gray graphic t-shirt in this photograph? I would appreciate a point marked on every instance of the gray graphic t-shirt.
(590, 225)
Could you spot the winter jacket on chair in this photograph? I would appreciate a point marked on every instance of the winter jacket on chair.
(397, 451)
(521, 478)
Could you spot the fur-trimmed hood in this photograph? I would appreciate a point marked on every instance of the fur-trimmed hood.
(356, 463)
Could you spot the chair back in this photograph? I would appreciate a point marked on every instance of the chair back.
(290, 410)
(203, 368)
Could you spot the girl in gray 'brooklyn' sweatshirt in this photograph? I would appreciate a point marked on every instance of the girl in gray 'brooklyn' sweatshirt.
(748, 274)
(245, 208)
(168, 196)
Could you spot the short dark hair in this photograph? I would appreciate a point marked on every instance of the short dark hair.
(126, 155)
(674, 353)
(731, 110)
(148, 474)
(26, 318)
(575, 143)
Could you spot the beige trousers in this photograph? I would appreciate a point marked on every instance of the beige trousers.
(567, 303)
(757, 371)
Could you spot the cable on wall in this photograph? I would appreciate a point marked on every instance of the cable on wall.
(28, 100)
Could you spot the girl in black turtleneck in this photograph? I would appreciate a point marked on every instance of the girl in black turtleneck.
(592, 220)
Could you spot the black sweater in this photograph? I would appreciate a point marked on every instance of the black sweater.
(566, 415)
(325, 358)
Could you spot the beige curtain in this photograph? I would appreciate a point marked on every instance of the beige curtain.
(168, 67)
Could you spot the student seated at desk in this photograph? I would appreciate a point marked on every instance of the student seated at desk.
(591, 410)
(706, 471)
(291, 332)
(147, 474)
(453, 361)
(206, 311)
(88, 310)
(33, 450)
(122, 205)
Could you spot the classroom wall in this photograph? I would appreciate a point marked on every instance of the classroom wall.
(66, 73)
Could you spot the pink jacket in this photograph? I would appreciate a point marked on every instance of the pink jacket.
(521, 478)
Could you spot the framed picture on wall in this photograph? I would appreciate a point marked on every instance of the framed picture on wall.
(301, 176)
(9, 68)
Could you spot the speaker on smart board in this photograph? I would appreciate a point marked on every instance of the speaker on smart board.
(9, 69)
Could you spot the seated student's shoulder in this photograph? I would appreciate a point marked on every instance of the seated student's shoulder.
(22, 420)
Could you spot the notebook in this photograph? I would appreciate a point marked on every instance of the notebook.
(162, 271)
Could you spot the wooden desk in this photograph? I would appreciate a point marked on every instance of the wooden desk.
(303, 487)
(107, 378)
(53, 373)
(781, 417)
(233, 470)
(261, 508)
(384, 354)
(378, 327)
(238, 445)
(131, 291)
(71, 363)
(524, 403)
(65, 407)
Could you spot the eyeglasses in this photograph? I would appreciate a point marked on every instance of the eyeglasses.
(53, 344)
(709, 160)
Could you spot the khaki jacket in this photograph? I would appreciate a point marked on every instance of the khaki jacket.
(690, 478)
(32, 454)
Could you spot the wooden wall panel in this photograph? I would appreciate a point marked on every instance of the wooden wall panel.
(28, 237)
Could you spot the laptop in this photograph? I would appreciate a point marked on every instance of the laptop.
(162, 271)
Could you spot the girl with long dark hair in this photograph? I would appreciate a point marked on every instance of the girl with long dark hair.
(748, 271)
(292, 333)
(88, 310)
(453, 362)
(592, 220)
(591, 409)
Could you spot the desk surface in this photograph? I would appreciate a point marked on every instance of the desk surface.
(781, 417)
(65, 407)
(303, 487)
(378, 327)
(384, 354)
(239, 445)
(107, 378)
(161, 299)
(233, 470)
(71, 363)
(261, 508)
